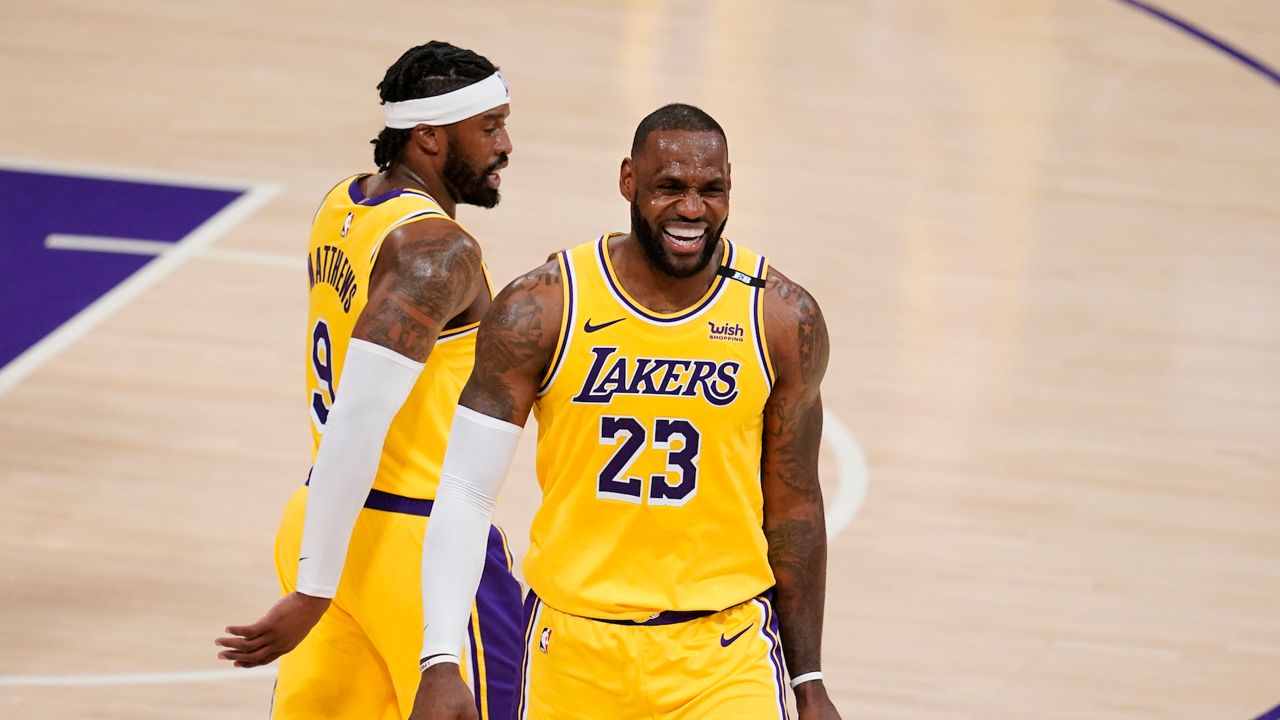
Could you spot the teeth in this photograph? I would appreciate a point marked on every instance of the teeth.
(686, 233)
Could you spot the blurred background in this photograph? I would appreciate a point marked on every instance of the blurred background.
(1045, 235)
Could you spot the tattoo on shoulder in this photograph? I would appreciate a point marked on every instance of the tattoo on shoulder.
(516, 340)
(812, 342)
(419, 284)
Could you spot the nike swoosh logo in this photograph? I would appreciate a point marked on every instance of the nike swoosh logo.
(728, 642)
(592, 328)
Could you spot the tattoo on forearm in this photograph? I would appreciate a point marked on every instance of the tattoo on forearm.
(795, 527)
(798, 556)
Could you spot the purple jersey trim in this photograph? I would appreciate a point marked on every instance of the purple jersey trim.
(532, 612)
(477, 680)
(757, 300)
(358, 197)
(570, 293)
(667, 617)
(497, 625)
(770, 631)
(388, 502)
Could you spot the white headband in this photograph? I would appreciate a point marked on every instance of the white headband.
(450, 107)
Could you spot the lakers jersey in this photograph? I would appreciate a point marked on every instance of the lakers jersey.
(649, 440)
(346, 235)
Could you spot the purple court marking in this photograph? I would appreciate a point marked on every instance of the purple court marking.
(43, 288)
(1261, 67)
(1272, 714)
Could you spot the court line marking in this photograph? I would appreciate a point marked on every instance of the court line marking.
(101, 172)
(851, 464)
(252, 257)
(132, 246)
(102, 243)
(851, 474)
(253, 198)
(1184, 25)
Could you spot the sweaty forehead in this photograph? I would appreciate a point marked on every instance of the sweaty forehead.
(687, 150)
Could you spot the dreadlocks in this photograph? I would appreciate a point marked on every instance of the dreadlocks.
(424, 71)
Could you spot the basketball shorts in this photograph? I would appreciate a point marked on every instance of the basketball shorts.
(688, 666)
(361, 659)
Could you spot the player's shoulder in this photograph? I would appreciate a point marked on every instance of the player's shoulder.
(541, 285)
(788, 297)
(433, 261)
(432, 234)
(795, 328)
(524, 320)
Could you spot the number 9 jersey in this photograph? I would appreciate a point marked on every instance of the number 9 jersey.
(649, 441)
(346, 235)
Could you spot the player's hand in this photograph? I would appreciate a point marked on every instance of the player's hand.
(813, 703)
(278, 632)
(443, 696)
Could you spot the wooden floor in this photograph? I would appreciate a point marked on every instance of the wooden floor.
(1046, 236)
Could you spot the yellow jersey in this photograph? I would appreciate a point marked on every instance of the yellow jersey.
(346, 235)
(649, 440)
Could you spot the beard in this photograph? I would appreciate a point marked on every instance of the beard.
(468, 186)
(650, 240)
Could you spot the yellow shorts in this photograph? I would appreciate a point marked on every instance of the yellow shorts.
(361, 659)
(721, 665)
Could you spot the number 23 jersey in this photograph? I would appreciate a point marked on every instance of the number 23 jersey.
(649, 440)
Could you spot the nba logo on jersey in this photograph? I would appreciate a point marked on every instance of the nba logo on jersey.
(544, 641)
(346, 224)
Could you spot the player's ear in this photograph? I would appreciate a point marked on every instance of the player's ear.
(728, 177)
(627, 180)
(429, 138)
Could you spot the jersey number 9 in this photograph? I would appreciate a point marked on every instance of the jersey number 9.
(322, 366)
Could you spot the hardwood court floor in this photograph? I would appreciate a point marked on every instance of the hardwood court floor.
(1045, 235)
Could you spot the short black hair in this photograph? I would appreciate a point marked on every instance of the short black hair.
(676, 116)
(424, 71)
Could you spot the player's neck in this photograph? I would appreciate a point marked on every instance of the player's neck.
(653, 288)
(402, 177)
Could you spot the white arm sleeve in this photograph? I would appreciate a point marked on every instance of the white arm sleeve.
(475, 464)
(375, 382)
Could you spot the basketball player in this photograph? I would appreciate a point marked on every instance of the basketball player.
(680, 550)
(397, 290)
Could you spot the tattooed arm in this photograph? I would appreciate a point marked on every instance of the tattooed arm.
(517, 338)
(516, 341)
(427, 273)
(794, 523)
